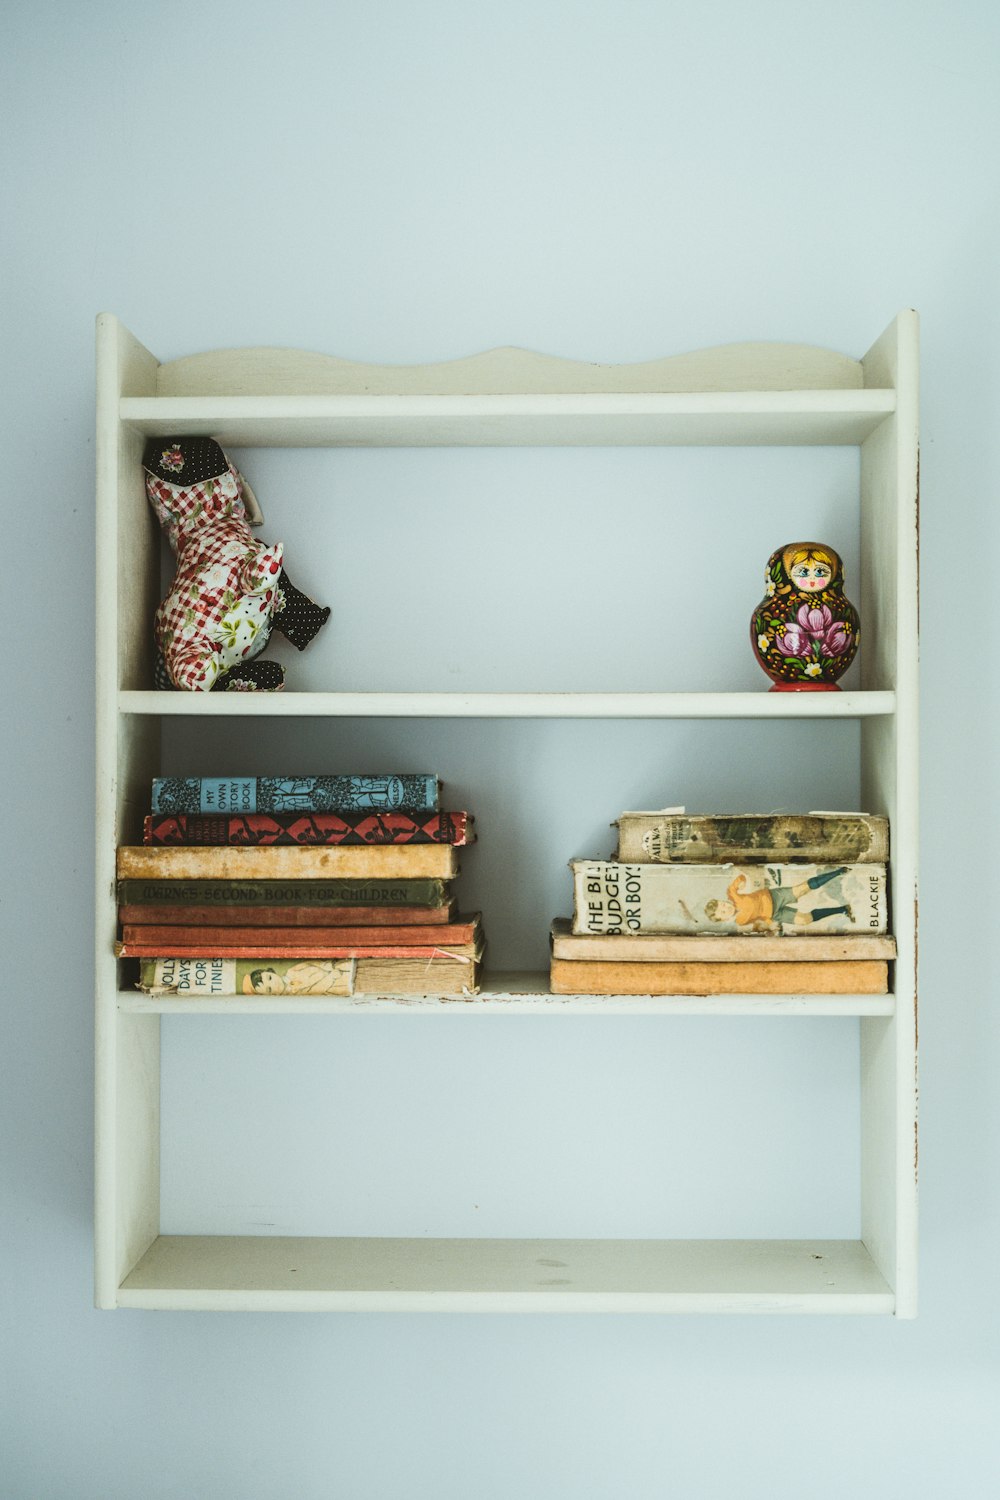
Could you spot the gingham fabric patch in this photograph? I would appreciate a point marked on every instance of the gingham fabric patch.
(225, 591)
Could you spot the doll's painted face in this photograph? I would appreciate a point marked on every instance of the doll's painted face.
(810, 572)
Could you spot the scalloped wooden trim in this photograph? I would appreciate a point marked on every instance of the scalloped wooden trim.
(509, 371)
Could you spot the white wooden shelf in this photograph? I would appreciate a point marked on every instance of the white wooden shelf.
(521, 993)
(483, 1275)
(749, 394)
(761, 705)
(740, 418)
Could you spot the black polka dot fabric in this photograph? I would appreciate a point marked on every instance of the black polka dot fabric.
(253, 677)
(300, 618)
(184, 461)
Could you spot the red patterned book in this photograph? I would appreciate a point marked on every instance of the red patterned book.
(365, 827)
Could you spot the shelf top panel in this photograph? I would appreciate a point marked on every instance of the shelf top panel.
(507, 371)
(470, 1275)
(737, 418)
(761, 705)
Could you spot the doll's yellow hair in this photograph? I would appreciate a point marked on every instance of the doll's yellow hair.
(793, 555)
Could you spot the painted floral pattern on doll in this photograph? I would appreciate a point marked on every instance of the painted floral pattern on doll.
(805, 632)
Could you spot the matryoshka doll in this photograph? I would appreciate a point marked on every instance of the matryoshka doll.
(805, 632)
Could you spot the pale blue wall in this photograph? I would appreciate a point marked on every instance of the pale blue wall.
(410, 182)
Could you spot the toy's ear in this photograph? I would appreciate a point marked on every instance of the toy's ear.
(299, 618)
(255, 515)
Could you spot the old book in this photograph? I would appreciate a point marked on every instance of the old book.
(207, 978)
(704, 947)
(220, 977)
(253, 794)
(807, 900)
(457, 939)
(579, 977)
(288, 916)
(300, 862)
(672, 837)
(309, 828)
(409, 976)
(297, 893)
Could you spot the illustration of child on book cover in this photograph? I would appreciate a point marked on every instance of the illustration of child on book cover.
(207, 978)
(772, 906)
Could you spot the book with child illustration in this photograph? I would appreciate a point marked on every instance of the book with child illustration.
(800, 899)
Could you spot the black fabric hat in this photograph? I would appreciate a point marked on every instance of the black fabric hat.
(184, 460)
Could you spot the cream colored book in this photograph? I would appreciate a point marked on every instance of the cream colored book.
(411, 976)
(674, 837)
(217, 978)
(288, 862)
(705, 947)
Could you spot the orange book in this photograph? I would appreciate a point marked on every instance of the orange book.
(150, 940)
(866, 976)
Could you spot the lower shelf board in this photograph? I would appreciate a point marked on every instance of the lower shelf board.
(258, 1273)
(525, 993)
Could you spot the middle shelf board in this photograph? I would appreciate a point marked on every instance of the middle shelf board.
(515, 993)
(756, 705)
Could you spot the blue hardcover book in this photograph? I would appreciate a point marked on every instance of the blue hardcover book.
(265, 794)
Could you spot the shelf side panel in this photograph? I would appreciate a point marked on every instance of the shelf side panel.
(139, 549)
(126, 1056)
(127, 1140)
(889, 757)
(137, 1220)
(128, 546)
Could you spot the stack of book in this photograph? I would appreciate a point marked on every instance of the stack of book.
(309, 885)
(736, 904)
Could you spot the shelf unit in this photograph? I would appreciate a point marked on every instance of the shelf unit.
(749, 394)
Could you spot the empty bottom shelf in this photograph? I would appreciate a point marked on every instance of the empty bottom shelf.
(479, 1275)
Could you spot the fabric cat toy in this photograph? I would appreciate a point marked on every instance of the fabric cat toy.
(229, 589)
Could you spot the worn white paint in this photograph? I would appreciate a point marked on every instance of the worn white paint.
(524, 993)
